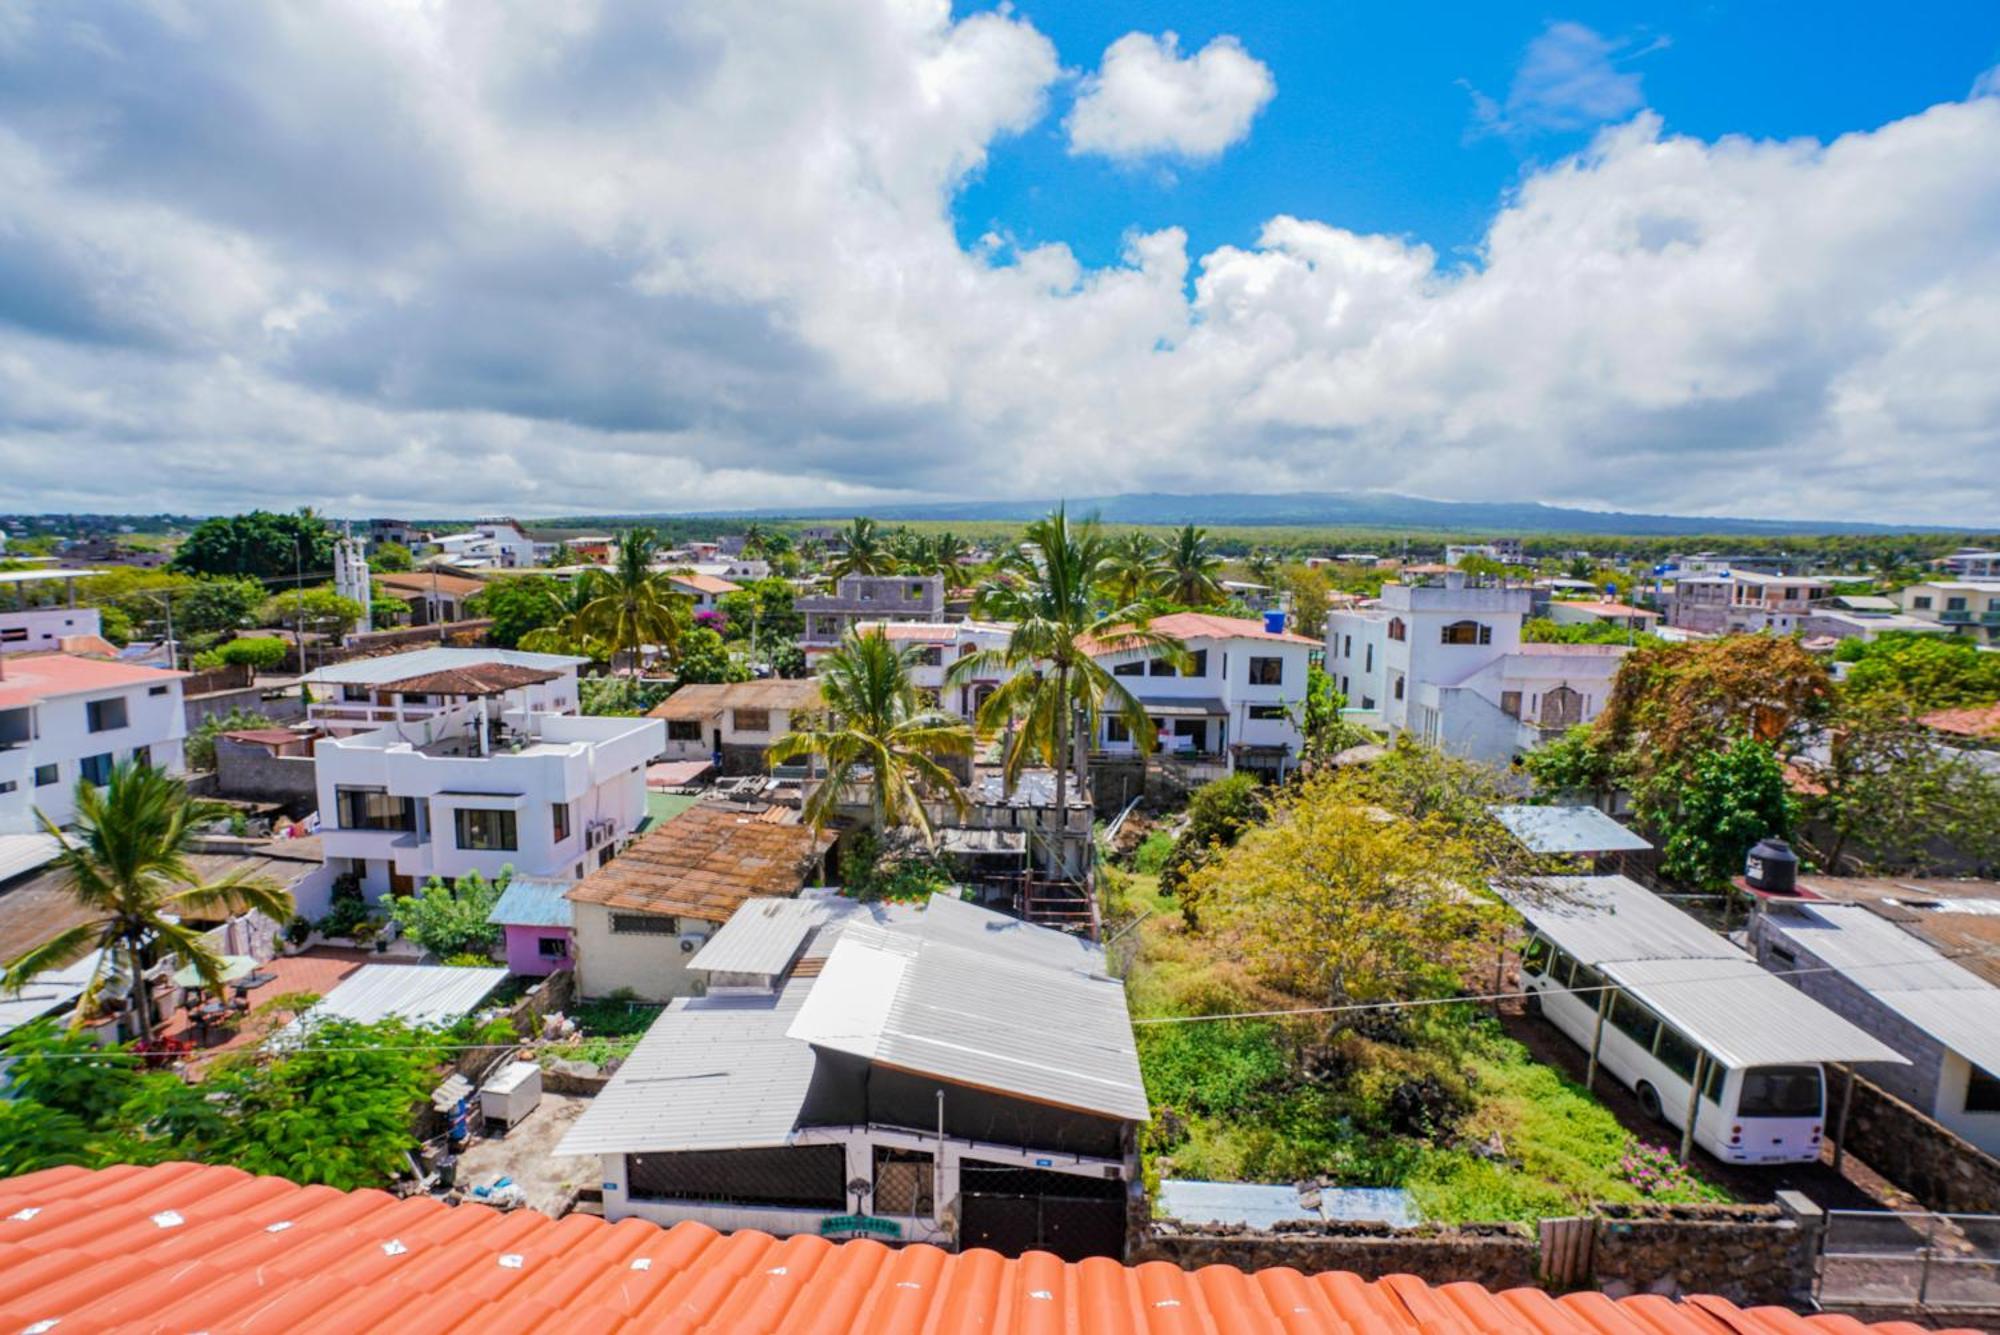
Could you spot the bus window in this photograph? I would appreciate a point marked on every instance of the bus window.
(1560, 966)
(1676, 1053)
(1535, 956)
(1588, 985)
(1635, 1021)
(1780, 1091)
(1713, 1091)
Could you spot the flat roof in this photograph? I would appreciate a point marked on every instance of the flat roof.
(1701, 984)
(32, 677)
(419, 994)
(704, 863)
(761, 937)
(1567, 830)
(42, 576)
(439, 658)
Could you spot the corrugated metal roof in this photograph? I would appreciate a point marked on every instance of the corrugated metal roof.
(527, 902)
(416, 993)
(1703, 985)
(1258, 1205)
(441, 658)
(1567, 830)
(24, 852)
(976, 1016)
(712, 1073)
(763, 936)
(183, 1246)
(705, 863)
(46, 992)
(1950, 1003)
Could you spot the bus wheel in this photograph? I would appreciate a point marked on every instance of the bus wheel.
(1532, 1004)
(1649, 1102)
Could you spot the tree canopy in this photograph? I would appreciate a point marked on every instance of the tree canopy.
(261, 544)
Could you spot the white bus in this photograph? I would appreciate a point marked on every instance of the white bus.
(1747, 1114)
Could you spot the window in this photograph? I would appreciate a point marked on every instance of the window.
(1560, 967)
(1135, 668)
(1466, 632)
(9, 786)
(1399, 688)
(1268, 713)
(1635, 1022)
(1159, 667)
(354, 694)
(414, 697)
(1954, 604)
(1347, 646)
(683, 730)
(1368, 658)
(1535, 956)
(481, 829)
(644, 924)
(750, 720)
(1397, 630)
(1510, 703)
(105, 715)
(560, 812)
(913, 593)
(1116, 731)
(46, 775)
(1779, 1091)
(13, 634)
(1588, 984)
(1783, 956)
(1922, 602)
(1676, 1053)
(552, 948)
(930, 655)
(1197, 664)
(1267, 672)
(96, 769)
(156, 690)
(1982, 1092)
(143, 755)
(374, 809)
(1367, 702)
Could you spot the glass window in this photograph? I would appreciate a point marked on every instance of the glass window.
(487, 830)
(750, 720)
(96, 769)
(1982, 1092)
(46, 775)
(156, 690)
(354, 694)
(1397, 631)
(1635, 1021)
(644, 924)
(143, 755)
(1197, 664)
(1954, 604)
(1159, 667)
(1466, 632)
(560, 812)
(1779, 1091)
(374, 809)
(553, 948)
(1368, 658)
(1268, 712)
(1921, 601)
(1116, 731)
(930, 655)
(1711, 1088)
(1535, 956)
(1135, 668)
(1588, 984)
(683, 730)
(1399, 688)
(1676, 1053)
(1267, 671)
(8, 786)
(104, 715)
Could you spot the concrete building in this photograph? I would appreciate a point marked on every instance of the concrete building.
(478, 786)
(1969, 607)
(638, 921)
(1851, 616)
(1743, 602)
(943, 1074)
(704, 591)
(534, 917)
(1970, 563)
(733, 723)
(36, 616)
(363, 694)
(65, 718)
(1238, 700)
(939, 644)
(1595, 612)
(858, 598)
(1440, 655)
(433, 596)
(496, 542)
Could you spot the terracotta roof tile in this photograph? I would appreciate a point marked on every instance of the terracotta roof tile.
(1982, 721)
(703, 864)
(32, 677)
(185, 1247)
(415, 584)
(472, 679)
(1204, 625)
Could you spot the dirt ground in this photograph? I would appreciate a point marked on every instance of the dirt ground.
(527, 1155)
(1855, 1187)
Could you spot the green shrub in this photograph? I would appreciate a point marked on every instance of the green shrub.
(262, 652)
(620, 1015)
(1152, 853)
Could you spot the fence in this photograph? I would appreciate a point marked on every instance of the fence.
(1879, 1258)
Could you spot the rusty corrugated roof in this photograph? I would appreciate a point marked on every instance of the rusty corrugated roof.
(703, 700)
(704, 863)
(183, 1246)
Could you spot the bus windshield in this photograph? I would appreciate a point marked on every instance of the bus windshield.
(1780, 1091)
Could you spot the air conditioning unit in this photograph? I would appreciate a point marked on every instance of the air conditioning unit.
(691, 942)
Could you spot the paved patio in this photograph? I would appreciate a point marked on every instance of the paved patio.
(315, 971)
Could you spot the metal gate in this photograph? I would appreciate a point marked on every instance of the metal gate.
(1015, 1210)
(1881, 1258)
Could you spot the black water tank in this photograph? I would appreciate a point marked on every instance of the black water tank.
(1772, 868)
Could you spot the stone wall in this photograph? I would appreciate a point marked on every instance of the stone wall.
(1499, 1256)
(1946, 1173)
(248, 770)
(560, 1079)
(1750, 1254)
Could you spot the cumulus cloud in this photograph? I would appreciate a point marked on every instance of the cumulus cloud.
(1569, 80)
(510, 256)
(1147, 99)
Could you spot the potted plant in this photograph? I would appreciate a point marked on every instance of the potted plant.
(297, 932)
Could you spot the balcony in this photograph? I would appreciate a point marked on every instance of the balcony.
(1958, 617)
(1990, 617)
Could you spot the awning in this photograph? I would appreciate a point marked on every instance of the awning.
(1185, 708)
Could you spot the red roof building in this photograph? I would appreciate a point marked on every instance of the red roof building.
(29, 678)
(181, 1247)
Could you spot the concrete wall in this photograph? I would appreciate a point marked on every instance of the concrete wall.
(1497, 1256)
(249, 771)
(524, 950)
(31, 629)
(652, 965)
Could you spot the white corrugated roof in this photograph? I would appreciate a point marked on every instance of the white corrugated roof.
(418, 662)
(762, 936)
(1552, 830)
(45, 992)
(26, 851)
(417, 993)
(1950, 1003)
(1706, 987)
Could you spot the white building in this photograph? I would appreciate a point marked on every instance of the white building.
(1971, 563)
(350, 580)
(1442, 657)
(478, 786)
(1743, 602)
(1239, 697)
(1968, 607)
(64, 718)
(938, 645)
(733, 723)
(944, 1074)
(704, 590)
(28, 624)
(494, 542)
(364, 693)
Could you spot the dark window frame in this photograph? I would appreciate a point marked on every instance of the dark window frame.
(486, 829)
(1267, 670)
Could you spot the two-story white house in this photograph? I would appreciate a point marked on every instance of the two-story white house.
(936, 645)
(32, 622)
(362, 694)
(1440, 655)
(1969, 607)
(478, 787)
(1239, 698)
(495, 542)
(65, 717)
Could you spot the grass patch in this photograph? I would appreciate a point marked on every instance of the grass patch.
(1151, 854)
(618, 1016)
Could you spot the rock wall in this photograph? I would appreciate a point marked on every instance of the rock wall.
(1498, 1256)
(1946, 1173)
(1750, 1254)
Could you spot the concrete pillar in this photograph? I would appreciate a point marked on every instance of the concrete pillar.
(1803, 1211)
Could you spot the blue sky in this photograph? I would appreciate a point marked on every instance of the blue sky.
(1372, 126)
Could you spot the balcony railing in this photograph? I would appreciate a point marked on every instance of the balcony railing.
(1959, 617)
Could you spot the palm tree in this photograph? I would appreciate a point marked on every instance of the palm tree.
(127, 866)
(567, 631)
(865, 554)
(948, 555)
(1262, 563)
(875, 722)
(754, 538)
(1193, 570)
(633, 605)
(1052, 592)
(1133, 569)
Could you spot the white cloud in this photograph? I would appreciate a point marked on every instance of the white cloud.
(1569, 80)
(1146, 99)
(519, 258)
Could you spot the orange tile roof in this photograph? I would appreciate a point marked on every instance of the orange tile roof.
(181, 1246)
(416, 583)
(1203, 625)
(703, 864)
(705, 583)
(1983, 721)
(31, 677)
(1608, 609)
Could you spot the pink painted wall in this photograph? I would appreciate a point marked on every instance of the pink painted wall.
(524, 950)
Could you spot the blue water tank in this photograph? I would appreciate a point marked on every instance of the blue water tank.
(1274, 621)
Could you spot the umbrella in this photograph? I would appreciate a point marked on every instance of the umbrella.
(233, 968)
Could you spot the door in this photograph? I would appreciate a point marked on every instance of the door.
(401, 884)
(1016, 1210)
